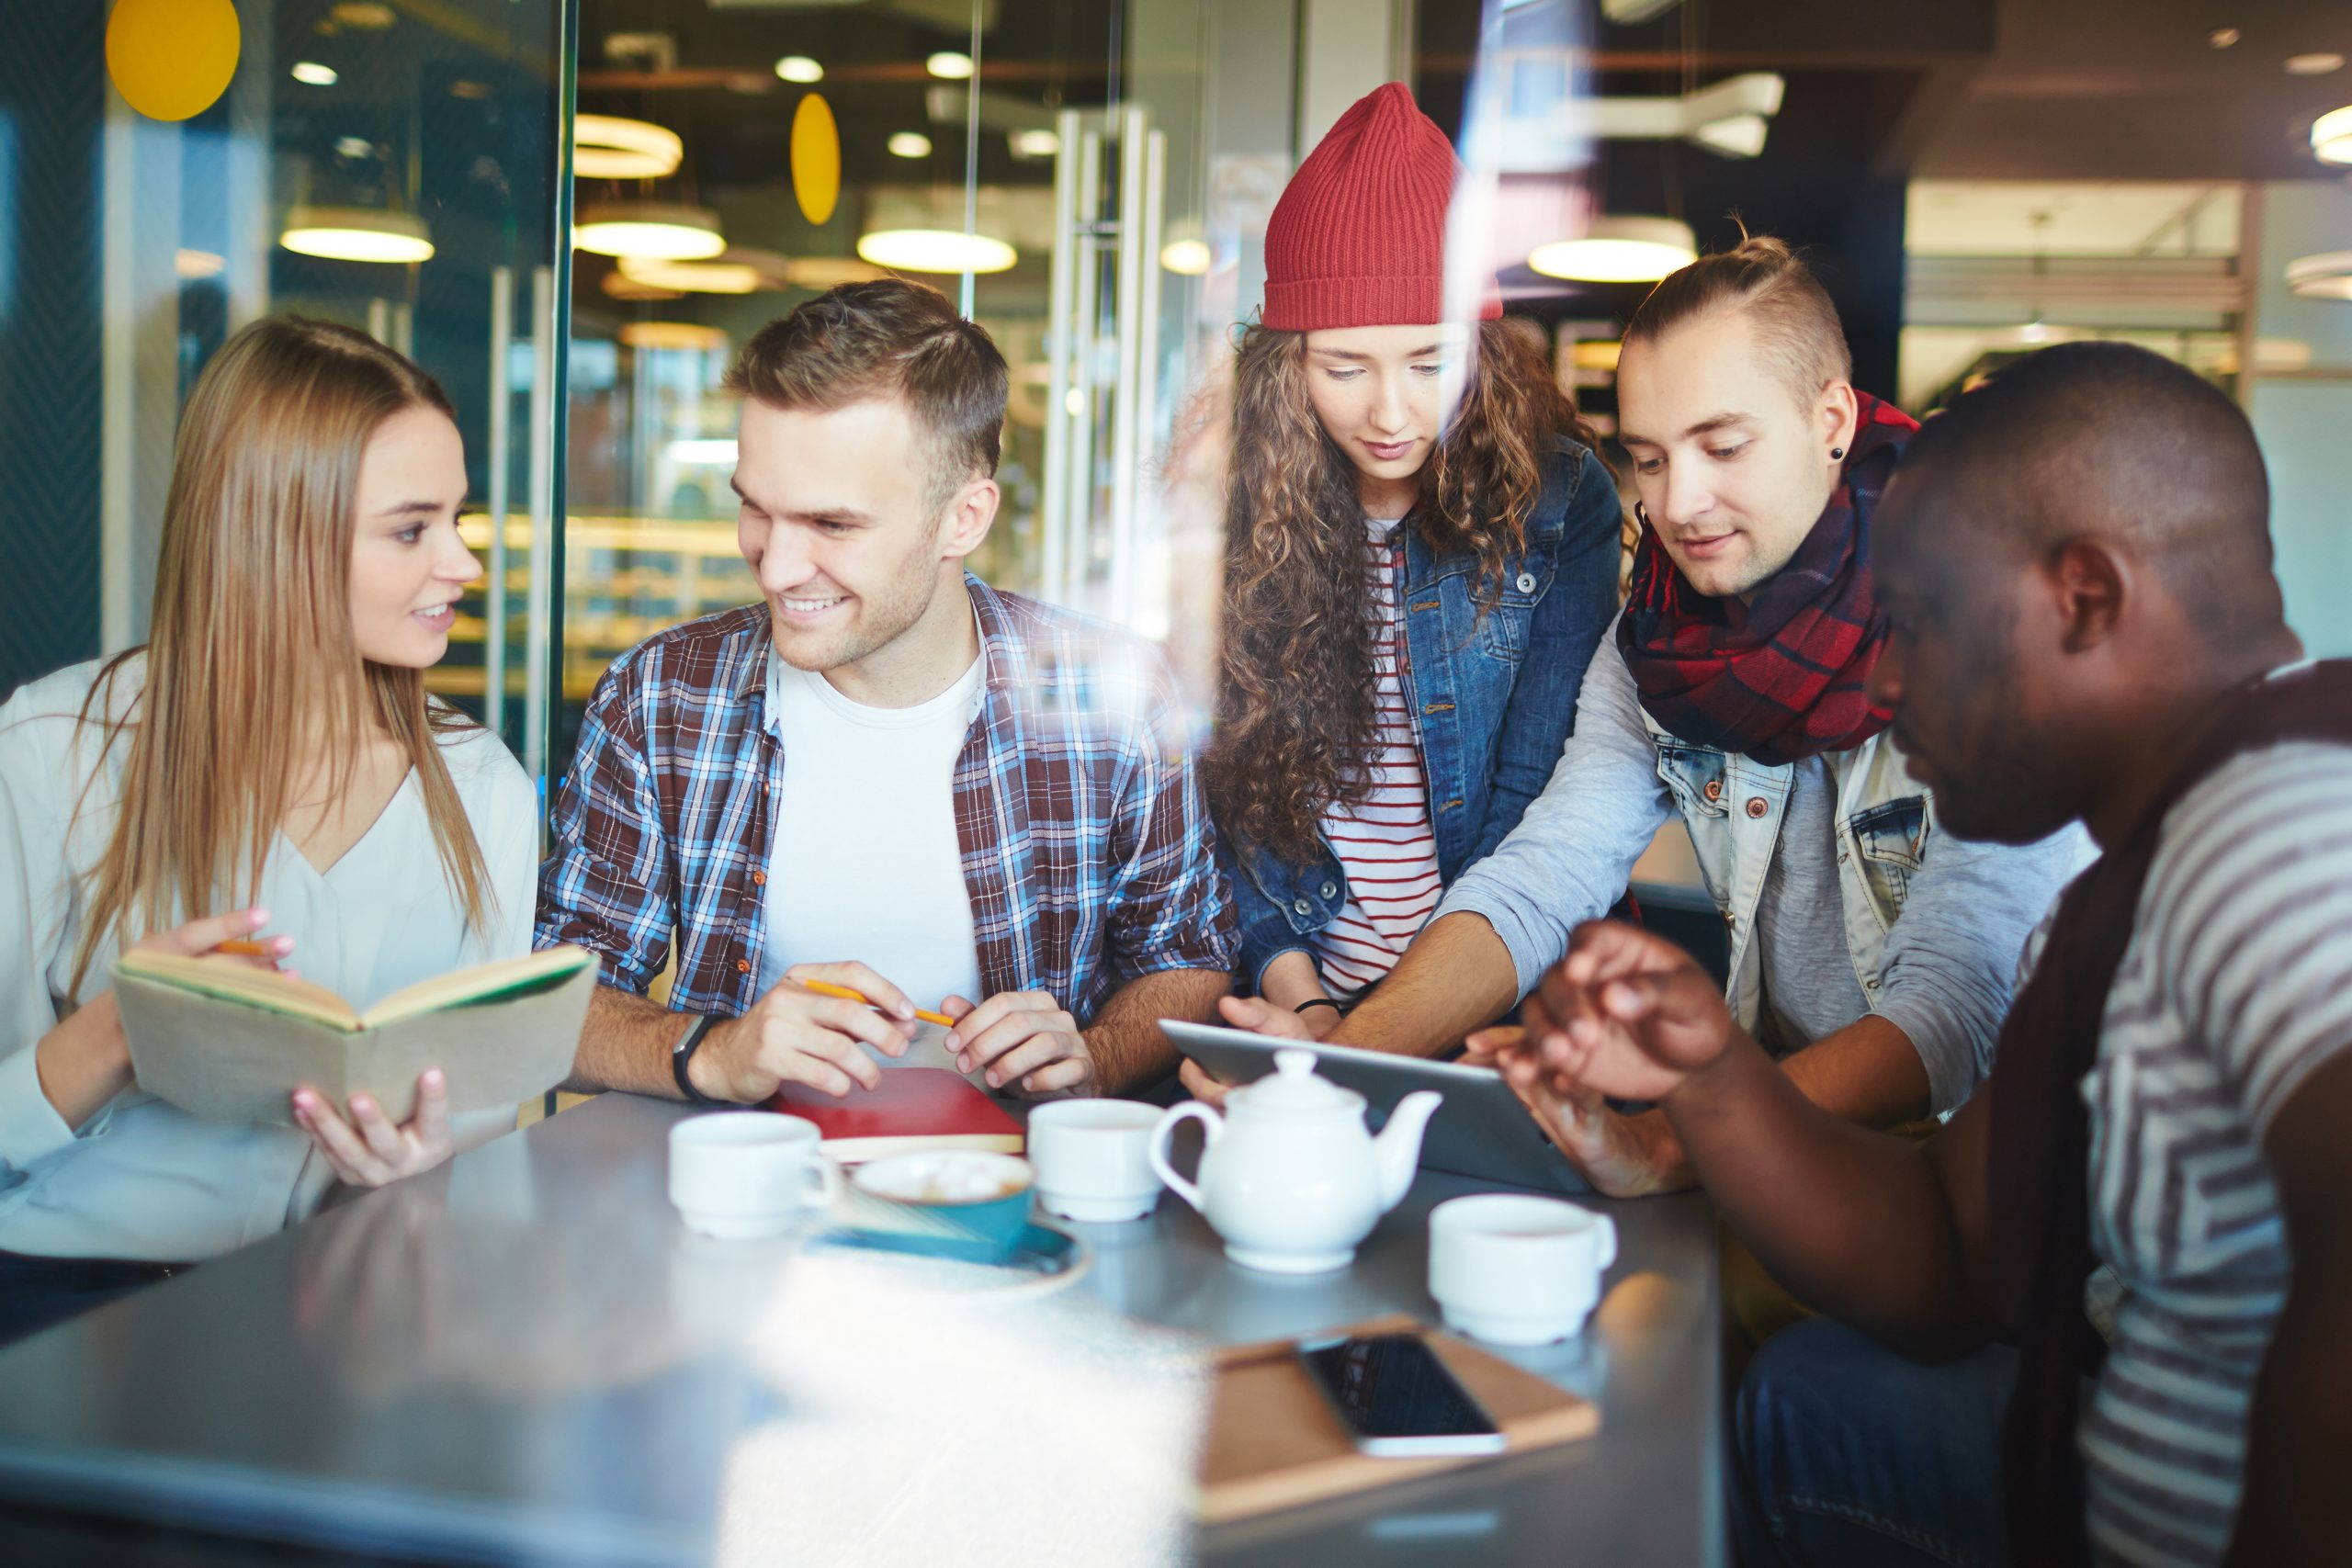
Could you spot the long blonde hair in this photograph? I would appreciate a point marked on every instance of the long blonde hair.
(251, 657)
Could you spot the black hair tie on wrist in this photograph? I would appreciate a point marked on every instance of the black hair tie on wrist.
(1320, 1003)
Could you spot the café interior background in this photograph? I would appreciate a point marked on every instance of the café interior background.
(1973, 178)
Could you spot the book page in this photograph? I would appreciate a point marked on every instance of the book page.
(501, 981)
(229, 979)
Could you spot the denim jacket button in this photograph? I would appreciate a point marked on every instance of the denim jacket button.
(1526, 583)
(1715, 790)
(1303, 907)
(1329, 888)
(1758, 806)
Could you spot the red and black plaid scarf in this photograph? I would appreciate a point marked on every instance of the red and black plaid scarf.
(1782, 676)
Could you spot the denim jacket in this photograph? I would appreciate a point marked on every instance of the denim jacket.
(1732, 806)
(1492, 700)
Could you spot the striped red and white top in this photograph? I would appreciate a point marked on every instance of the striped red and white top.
(1385, 842)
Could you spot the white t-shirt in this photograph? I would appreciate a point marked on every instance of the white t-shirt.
(866, 863)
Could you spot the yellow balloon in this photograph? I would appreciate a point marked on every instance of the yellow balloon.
(171, 59)
(816, 159)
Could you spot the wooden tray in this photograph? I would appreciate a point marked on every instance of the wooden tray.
(1274, 1442)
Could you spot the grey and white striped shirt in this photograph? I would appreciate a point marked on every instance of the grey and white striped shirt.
(2237, 984)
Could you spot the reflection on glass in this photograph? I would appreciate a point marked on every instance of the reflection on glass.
(390, 168)
(1056, 161)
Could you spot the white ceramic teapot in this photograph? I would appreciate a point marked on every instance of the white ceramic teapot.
(1289, 1177)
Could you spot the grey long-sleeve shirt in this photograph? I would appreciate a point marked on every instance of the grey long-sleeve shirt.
(1950, 958)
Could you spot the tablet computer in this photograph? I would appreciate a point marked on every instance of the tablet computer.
(1483, 1130)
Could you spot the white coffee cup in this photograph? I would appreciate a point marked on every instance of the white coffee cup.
(1093, 1158)
(748, 1173)
(1518, 1270)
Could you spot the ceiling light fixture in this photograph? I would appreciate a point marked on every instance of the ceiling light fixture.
(936, 249)
(310, 74)
(2319, 64)
(1033, 143)
(356, 233)
(1731, 116)
(692, 335)
(692, 276)
(799, 68)
(648, 230)
(1620, 250)
(2328, 275)
(607, 147)
(949, 66)
(2222, 38)
(821, 272)
(909, 144)
(2332, 136)
(1187, 258)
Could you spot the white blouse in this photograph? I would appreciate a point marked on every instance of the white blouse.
(142, 1179)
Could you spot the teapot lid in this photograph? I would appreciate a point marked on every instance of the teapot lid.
(1295, 1087)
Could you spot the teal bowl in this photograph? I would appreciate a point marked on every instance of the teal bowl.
(966, 1194)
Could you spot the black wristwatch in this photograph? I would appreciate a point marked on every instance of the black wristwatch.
(682, 1053)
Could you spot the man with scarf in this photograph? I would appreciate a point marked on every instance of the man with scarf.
(2087, 627)
(1867, 948)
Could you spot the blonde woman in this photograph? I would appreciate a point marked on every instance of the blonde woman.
(268, 767)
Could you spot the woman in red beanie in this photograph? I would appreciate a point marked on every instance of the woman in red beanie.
(1409, 600)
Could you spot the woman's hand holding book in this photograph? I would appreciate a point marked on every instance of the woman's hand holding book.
(85, 1061)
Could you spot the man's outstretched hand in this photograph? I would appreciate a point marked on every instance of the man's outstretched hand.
(1625, 1014)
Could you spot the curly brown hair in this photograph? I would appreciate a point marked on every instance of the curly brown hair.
(1296, 727)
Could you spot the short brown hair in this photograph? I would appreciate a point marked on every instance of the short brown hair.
(887, 338)
(1796, 325)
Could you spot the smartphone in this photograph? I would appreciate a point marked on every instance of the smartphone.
(1397, 1397)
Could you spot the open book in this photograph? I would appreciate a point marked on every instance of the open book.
(230, 1041)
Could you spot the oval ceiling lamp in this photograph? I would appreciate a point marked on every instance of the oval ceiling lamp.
(950, 65)
(171, 60)
(651, 231)
(356, 233)
(736, 270)
(1620, 250)
(1186, 254)
(688, 336)
(821, 272)
(2332, 136)
(936, 249)
(618, 285)
(799, 68)
(2328, 275)
(816, 159)
(607, 147)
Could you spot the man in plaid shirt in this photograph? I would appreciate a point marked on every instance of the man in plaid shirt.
(988, 795)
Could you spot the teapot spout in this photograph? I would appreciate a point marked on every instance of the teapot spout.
(1397, 1150)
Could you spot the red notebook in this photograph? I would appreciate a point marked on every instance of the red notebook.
(914, 1108)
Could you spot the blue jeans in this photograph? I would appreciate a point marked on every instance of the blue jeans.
(1850, 1453)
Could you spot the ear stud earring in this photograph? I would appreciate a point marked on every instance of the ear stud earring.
(1836, 453)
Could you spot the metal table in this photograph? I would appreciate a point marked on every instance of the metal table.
(524, 1357)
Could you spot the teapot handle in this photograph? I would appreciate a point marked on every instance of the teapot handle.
(1212, 1125)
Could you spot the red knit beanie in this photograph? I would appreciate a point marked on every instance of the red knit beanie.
(1358, 238)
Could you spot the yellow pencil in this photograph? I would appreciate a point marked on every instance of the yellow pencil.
(825, 989)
